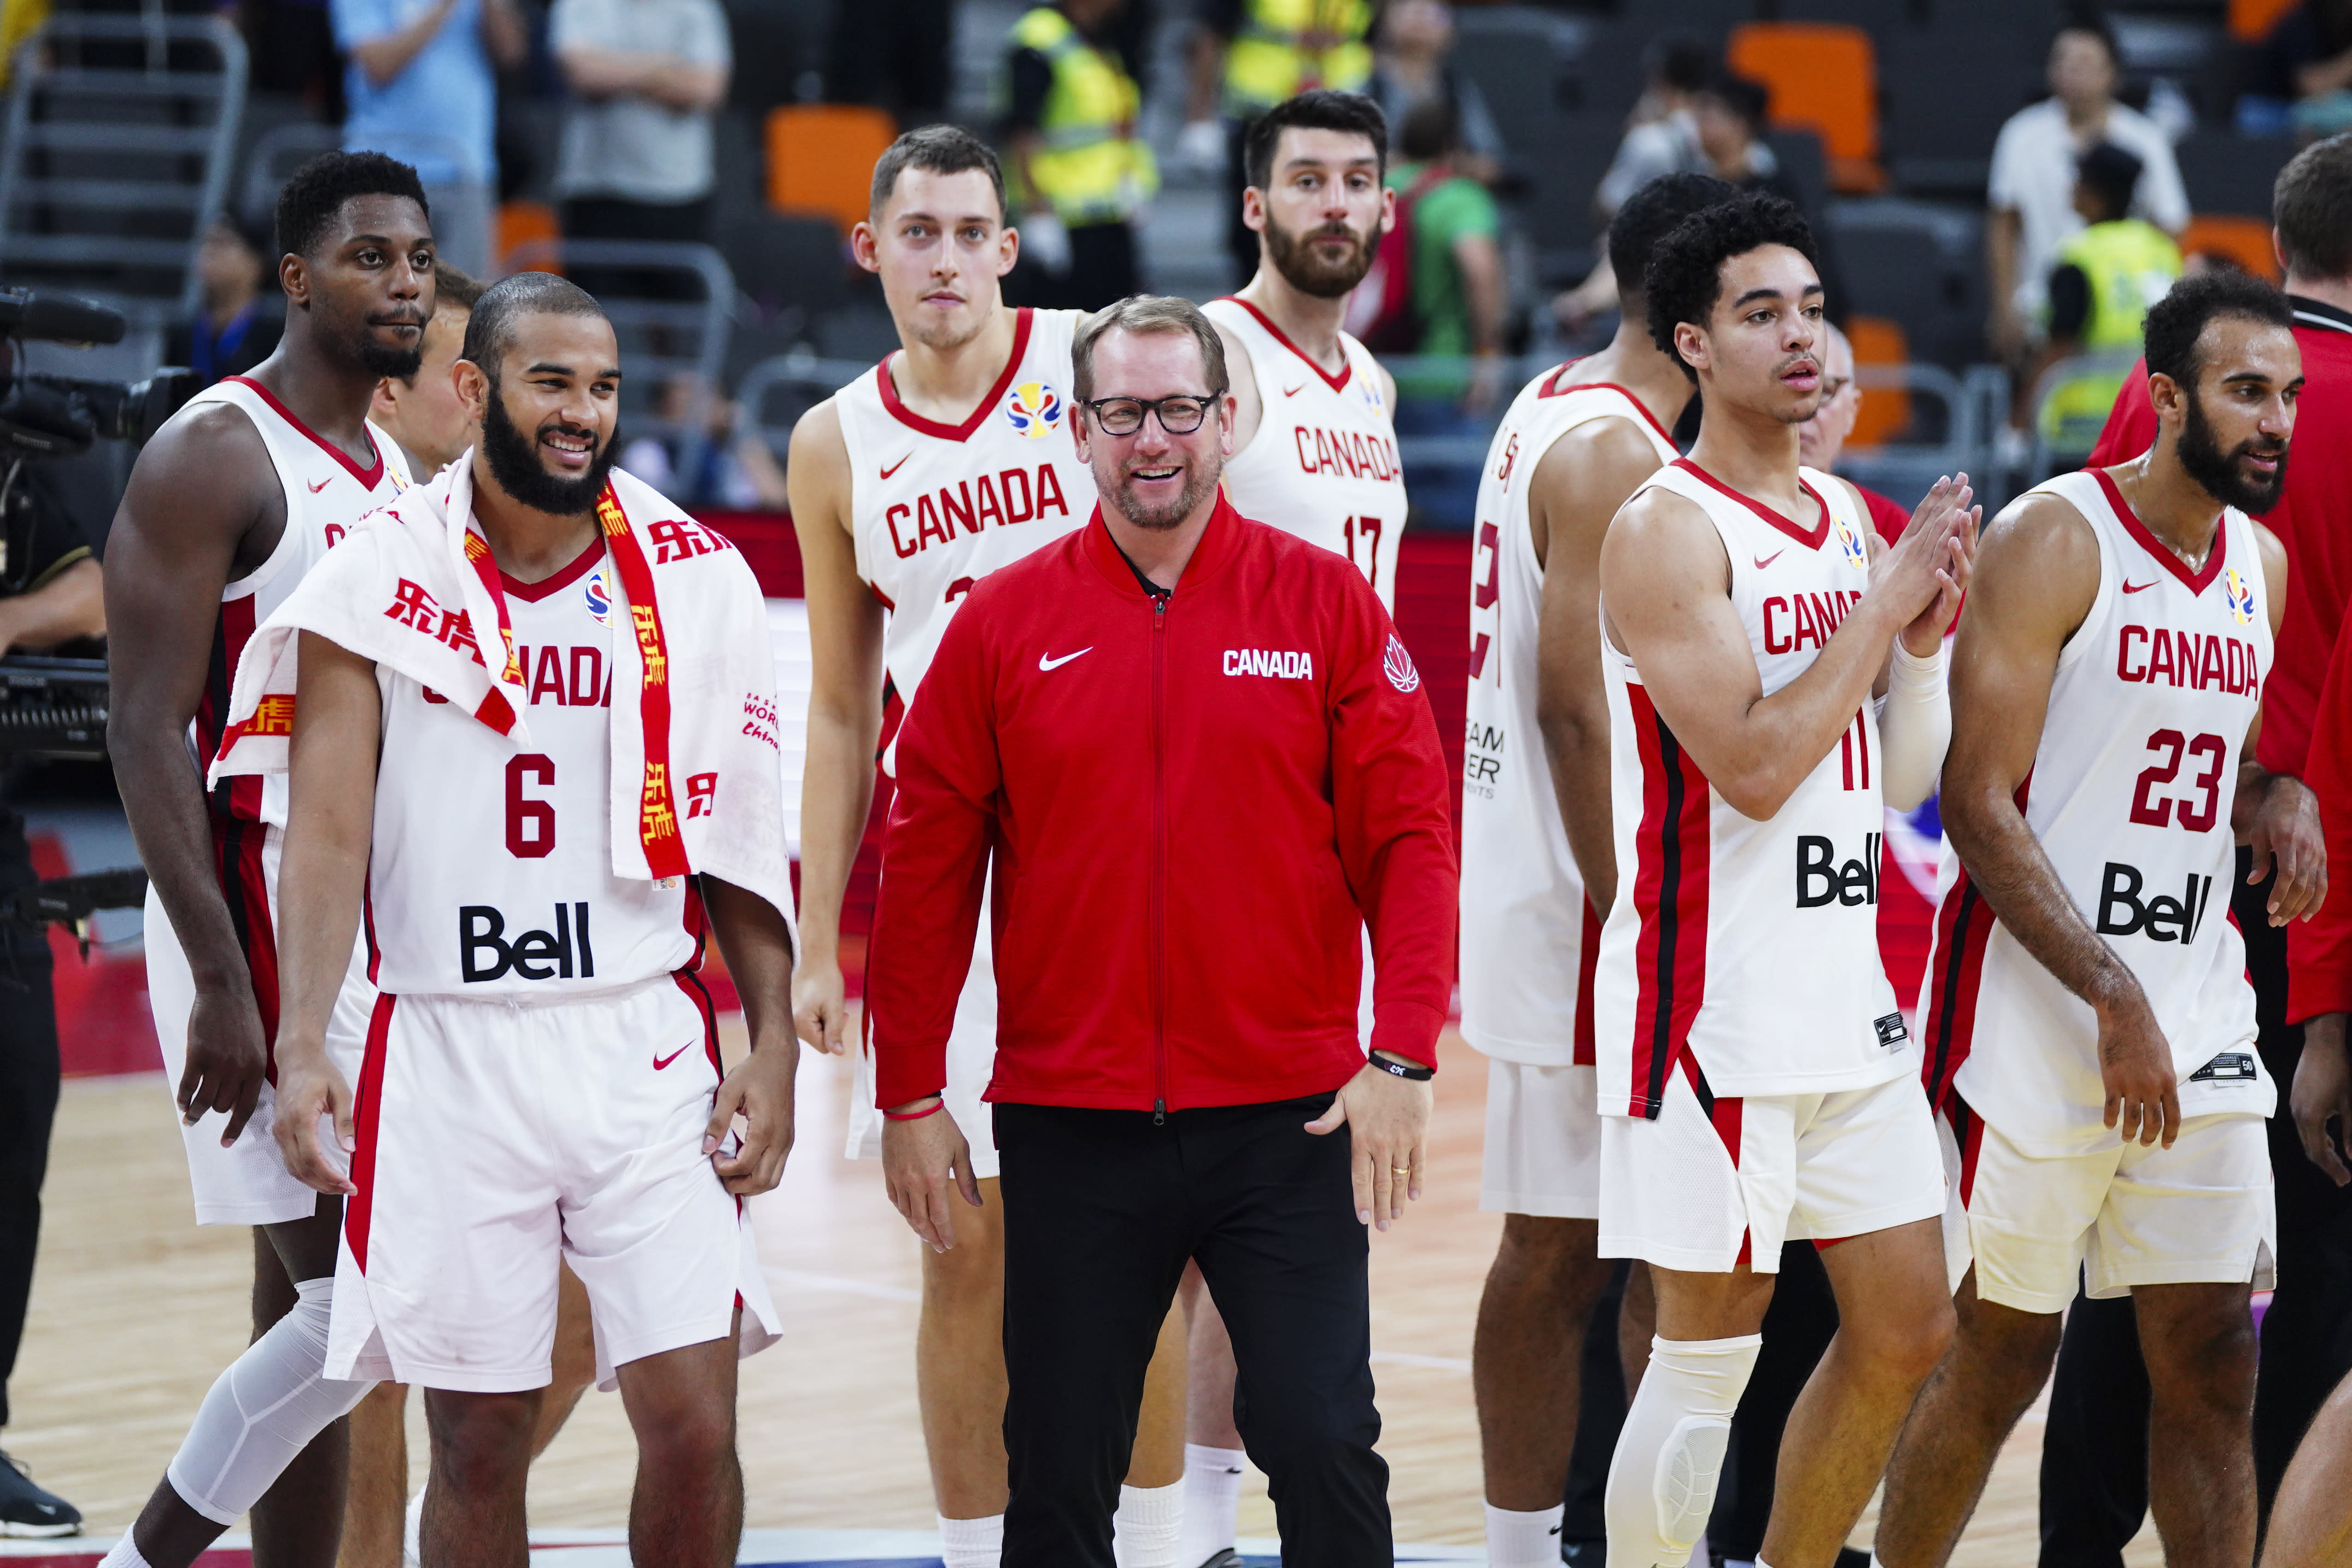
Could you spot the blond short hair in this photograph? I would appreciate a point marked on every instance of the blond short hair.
(1141, 314)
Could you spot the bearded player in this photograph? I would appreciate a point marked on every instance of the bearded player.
(2090, 1032)
(1754, 1069)
(951, 458)
(1539, 866)
(229, 507)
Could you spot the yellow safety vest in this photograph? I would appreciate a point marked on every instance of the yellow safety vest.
(1286, 48)
(1093, 168)
(2131, 264)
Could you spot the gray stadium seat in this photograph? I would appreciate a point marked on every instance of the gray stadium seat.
(1916, 265)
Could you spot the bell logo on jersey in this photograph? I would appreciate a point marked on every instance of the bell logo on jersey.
(1821, 879)
(1033, 409)
(484, 954)
(599, 594)
(2239, 595)
(1851, 542)
(1397, 665)
(2160, 918)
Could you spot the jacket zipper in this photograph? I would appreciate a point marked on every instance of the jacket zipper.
(1159, 859)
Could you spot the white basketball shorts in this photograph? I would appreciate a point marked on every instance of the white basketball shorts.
(1715, 1182)
(495, 1137)
(2199, 1212)
(1543, 1142)
(245, 1183)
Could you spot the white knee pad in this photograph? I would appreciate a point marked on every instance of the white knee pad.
(1670, 1452)
(263, 1411)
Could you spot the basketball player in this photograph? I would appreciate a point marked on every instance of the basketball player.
(1539, 865)
(231, 504)
(951, 458)
(1314, 453)
(433, 428)
(2105, 693)
(1753, 1065)
(531, 1094)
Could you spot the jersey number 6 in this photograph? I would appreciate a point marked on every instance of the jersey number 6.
(531, 824)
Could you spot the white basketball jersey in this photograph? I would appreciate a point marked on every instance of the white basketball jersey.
(934, 508)
(1528, 936)
(1751, 946)
(492, 869)
(2129, 797)
(1323, 463)
(326, 492)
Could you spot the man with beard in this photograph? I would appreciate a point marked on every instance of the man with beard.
(1201, 742)
(483, 669)
(229, 507)
(948, 460)
(2089, 1030)
(1314, 453)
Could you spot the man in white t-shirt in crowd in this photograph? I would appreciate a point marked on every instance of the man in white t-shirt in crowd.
(2031, 190)
(647, 79)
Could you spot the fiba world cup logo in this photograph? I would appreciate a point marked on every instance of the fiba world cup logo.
(2241, 596)
(1851, 542)
(1033, 409)
(1397, 665)
(599, 594)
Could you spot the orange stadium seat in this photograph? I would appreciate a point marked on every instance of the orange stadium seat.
(2244, 240)
(1823, 78)
(2250, 21)
(520, 223)
(1885, 410)
(821, 158)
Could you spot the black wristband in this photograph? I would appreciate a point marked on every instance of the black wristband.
(1411, 1071)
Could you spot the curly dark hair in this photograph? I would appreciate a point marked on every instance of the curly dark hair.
(1684, 276)
(2176, 322)
(314, 195)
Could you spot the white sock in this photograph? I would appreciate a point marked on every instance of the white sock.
(1516, 1540)
(1149, 1526)
(972, 1543)
(1213, 1502)
(263, 1411)
(123, 1554)
(1669, 1451)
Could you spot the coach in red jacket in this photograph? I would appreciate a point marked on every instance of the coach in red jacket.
(1202, 761)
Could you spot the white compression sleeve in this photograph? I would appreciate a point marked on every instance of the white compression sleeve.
(1670, 1450)
(1914, 726)
(262, 1411)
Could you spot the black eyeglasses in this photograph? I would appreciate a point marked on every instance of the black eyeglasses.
(1124, 416)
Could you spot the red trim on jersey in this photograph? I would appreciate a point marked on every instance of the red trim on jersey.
(880, 597)
(1588, 965)
(238, 795)
(2163, 552)
(237, 844)
(360, 1210)
(695, 992)
(1670, 898)
(1810, 540)
(1553, 390)
(370, 476)
(582, 564)
(986, 406)
(1336, 382)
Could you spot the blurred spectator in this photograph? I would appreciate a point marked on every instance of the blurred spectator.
(422, 85)
(1081, 172)
(2301, 76)
(739, 473)
(2106, 278)
(1247, 56)
(237, 325)
(1729, 117)
(2032, 183)
(1413, 67)
(648, 76)
(1661, 133)
(892, 54)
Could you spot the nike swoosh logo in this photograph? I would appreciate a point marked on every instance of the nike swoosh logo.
(1764, 561)
(2139, 587)
(323, 484)
(661, 1062)
(896, 467)
(1294, 391)
(1047, 662)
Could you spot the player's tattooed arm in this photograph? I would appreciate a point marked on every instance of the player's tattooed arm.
(1665, 587)
(204, 507)
(758, 946)
(2036, 578)
(2276, 815)
(329, 827)
(1580, 484)
(844, 717)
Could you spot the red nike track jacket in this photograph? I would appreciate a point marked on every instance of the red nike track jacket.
(1195, 802)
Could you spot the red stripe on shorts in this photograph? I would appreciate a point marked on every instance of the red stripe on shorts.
(1670, 897)
(1587, 964)
(1724, 1113)
(695, 993)
(361, 1209)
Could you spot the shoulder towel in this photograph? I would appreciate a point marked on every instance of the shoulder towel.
(697, 784)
